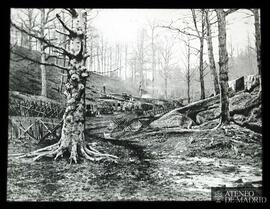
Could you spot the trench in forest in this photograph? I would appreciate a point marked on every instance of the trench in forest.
(153, 168)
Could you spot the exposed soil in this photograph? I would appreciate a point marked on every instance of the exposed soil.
(160, 167)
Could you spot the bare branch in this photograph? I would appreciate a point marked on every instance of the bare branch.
(229, 11)
(62, 33)
(106, 71)
(50, 20)
(53, 56)
(72, 12)
(180, 31)
(195, 21)
(71, 32)
(38, 62)
(45, 41)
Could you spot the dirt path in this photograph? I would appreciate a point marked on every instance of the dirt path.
(162, 167)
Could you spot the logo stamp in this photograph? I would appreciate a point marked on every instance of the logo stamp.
(237, 195)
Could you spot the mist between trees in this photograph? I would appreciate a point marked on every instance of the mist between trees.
(164, 56)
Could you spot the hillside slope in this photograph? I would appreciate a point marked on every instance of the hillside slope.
(25, 77)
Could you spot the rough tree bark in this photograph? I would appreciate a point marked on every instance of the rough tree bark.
(72, 134)
(211, 54)
(258, 38)
(223, 67)
(257, 24)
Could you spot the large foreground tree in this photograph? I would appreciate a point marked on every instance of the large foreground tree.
(72, 135)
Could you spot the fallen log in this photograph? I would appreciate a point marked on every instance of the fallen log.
(123, 123)
(192, 109)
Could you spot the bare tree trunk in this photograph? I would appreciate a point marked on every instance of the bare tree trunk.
(43, 75)
(153, 60)
(43, 67)
(188, 73)
(120, 61)
(249, 53)
(201, 38)
(223, 67)
(126, 49)
(64, 57)
(257, 24)
(111, 61)
(166, 86)
(201, 70)
(73, 127)
(211, 54)
(22, 35)
(98, 59)
(105, 61)
(91, 53)
(102, 55)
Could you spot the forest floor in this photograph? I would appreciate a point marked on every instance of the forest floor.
(180, 167)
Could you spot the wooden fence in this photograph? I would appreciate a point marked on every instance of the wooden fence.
(34, 128)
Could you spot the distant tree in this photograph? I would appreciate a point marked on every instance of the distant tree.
(45, 19)
(197, 31)
(141, 57)
(166, 53)
(133, 65)
(153, 36)
(188, 73)
(119, 59)
(210, 52)
(201, 38)
(28, 20)
(126, 60)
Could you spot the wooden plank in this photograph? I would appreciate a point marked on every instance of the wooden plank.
(25, 130)
(59, 125)
(36, 130)
(45, 125)
(40, 127)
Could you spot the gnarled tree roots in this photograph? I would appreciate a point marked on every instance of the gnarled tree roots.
(55, 150)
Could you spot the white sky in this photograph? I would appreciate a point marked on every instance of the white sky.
(121, 25)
